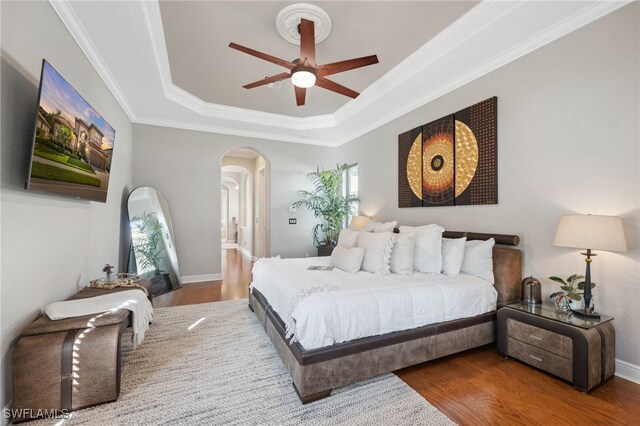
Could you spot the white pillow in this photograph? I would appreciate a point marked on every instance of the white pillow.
(381, 227)
(402, 254)
(452, 255)
(348, 238)
(427, 255)
(377, 251)
(347, 259)
(478, 259)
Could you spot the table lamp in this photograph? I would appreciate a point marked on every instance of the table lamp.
(590, 232)
(359, 222)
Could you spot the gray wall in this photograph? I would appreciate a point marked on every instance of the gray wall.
(50, 245)
(184, 166)
(568, 142)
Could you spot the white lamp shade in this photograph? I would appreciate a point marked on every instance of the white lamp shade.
(359, 222)
(304, 79)
(591, 232)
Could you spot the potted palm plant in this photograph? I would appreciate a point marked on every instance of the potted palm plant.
(327, 203)
(148, 245)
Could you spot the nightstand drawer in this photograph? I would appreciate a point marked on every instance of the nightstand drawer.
(551, 363)
(555, 343)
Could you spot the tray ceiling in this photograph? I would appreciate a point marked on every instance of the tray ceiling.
(197, 36)
(167, 62)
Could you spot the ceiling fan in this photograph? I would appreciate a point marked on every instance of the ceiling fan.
(304, 71)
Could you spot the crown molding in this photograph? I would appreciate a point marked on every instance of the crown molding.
(464, 28)
(69, 18)
(593, 12)
(414, 82)
(233, 131)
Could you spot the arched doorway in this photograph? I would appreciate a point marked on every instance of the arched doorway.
(245, 184)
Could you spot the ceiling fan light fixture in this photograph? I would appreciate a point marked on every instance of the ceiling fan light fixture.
(303, 78)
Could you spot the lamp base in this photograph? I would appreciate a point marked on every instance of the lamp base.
(587, 315)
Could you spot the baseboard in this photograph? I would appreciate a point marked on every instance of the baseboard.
(188, 279)
(628, 371)
(246, 253)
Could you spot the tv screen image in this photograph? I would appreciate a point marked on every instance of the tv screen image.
(72, 144)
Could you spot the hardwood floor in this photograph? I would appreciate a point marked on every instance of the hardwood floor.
(474, 387)
(236, 270)
(481, 387)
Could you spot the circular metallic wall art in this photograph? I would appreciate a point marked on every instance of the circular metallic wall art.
(466, 156)
(437, 168)
(414, 167)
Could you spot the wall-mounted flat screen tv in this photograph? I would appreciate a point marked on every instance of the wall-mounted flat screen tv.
(72, 143)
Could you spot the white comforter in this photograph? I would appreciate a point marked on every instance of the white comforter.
(321, 308)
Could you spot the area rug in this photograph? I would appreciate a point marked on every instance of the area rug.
(212, 364)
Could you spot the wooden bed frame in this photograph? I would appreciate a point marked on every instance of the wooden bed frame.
(316, 372)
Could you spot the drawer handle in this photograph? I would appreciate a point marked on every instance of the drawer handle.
(534, 337)
(536, 358)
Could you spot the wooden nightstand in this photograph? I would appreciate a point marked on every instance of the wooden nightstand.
(325, 250)
(574, 349)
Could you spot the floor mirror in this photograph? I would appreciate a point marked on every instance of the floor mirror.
(153, 243)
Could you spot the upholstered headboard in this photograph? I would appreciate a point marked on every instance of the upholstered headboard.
(507, 262)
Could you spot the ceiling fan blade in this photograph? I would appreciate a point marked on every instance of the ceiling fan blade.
(307, 42)
(268, 80)
(335, 87)
(301, 94)
(347, 65)
(263, 56)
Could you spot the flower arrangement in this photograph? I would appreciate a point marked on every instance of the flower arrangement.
(108, 269)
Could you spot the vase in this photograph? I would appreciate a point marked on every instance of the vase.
(563, 303)
(575, 304)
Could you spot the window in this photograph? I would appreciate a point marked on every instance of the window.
(350, 187)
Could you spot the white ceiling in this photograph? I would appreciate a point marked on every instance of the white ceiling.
(161, 61)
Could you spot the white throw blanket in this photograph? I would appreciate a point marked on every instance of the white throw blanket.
(133, 300)
(294, 285)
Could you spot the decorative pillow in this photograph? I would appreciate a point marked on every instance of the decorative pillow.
(348, 238)
(381, 227)
(377, 251)
(427, 254)
(478, 259)
(347, 259)
(452, 255)
(402, 254)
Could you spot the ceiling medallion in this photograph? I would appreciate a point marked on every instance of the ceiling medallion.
(288, 20)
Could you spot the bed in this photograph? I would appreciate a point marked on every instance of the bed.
(319, 362)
